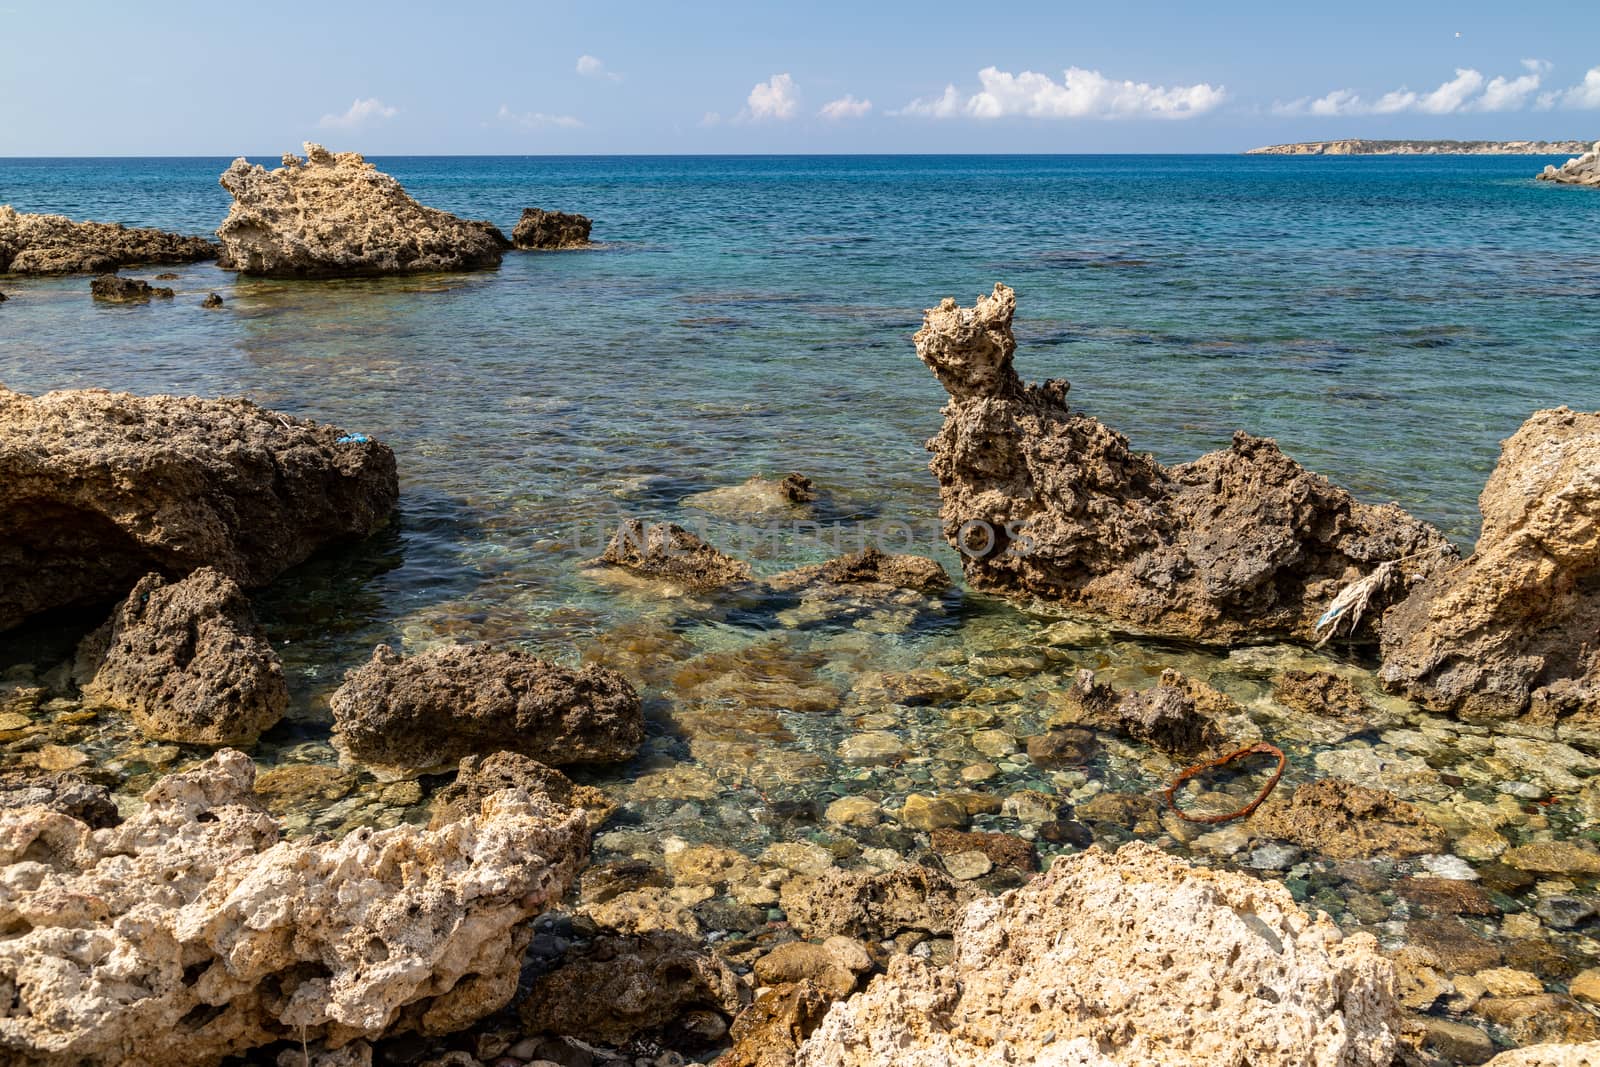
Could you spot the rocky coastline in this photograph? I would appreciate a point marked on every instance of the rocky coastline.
(1363, 147)
(490, 897)
(1582, 169)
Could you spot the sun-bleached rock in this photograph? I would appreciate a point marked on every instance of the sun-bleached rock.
(98, 489)
(1044, 501)
(425, 712)
(1127, 958)
(336, 215)
(193, 931)
(1586, 1054)
(54, 244)
(188, 661)
(1512, 630)
(1579, 170)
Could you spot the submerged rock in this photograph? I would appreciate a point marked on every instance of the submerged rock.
(54, 244)
(333, 215)
(668, 552)
(871, 568)
(192, 932)
(98, 488)
(538, 229)
(1045, 501)
(1579, 170)
(1341, 820)
(1513, 627)
(425, 712)
(115, 289)
(757, 497)
(188, 661)
(1127, 958)
(873, 906)
(212, 300)
(480, 777)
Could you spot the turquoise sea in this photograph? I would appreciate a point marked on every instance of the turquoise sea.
(1388, 320)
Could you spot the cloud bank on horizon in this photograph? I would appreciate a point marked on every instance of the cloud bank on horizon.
(1468, 91)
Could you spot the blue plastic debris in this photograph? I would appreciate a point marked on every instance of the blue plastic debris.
(353, 439)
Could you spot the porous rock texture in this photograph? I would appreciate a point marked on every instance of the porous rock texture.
(1127, 958)
(871, 568)
(478, 777)
(873, 906)
(1586, 1054)
(336, 215)
(193, 932)
(54, 244)
(1342, 820)
(1579, 170)
(421, 713)
(187, 660)
(667, 552)
(1043, 501)
(538, 229)
(62, 791)
(1515, 628)
(98, 489)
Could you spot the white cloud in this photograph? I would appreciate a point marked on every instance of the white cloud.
(846, 107)
(776, 98)
(359, 114)
(590, 67)
(1581, 97)
(1080, 94)
(1467, 91)
(533, 120)
(711, 118)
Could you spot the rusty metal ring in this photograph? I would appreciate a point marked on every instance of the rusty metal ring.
(1200, 768)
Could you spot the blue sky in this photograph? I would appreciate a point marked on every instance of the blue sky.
(178, 78)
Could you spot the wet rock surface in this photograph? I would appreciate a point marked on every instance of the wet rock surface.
(425, 712)
(668, 552)
(188, 661)
(538, 229)
(1099, 960)
(480, 777)
(1046, 501)
(99, 488)
(54, 244)
(1340, 819)
(873, 906)
(1579, 170)
(192, 932)
(1511, 630)
(336, 215)
(115, 289)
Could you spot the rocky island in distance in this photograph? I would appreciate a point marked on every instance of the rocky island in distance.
(1362, 147)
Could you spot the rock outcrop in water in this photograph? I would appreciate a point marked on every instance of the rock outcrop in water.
(1127, 958)
(115, 289)
(667, 552)
(54, 244)
(1044, 501)
(425, 712)
(1515, 628)
(336, 215)
(192, 932)
(550, 230)
(1579, 170)
(188, 661)
(98, 489)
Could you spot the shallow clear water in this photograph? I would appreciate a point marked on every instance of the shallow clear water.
(1389, 321)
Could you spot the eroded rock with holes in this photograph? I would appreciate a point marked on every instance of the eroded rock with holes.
(549, 230)
(1127, 958)
(1579, 170)
(98, 489)
(188, 661)
(54, 244)
(1045, 501)
(336, 215)
(194, 932)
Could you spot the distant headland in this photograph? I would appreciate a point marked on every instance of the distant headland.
(1358, 147)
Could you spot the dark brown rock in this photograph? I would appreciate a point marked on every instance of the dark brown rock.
(480, 777)
(1003, 850)
(1131, 811)
(1321, 694)
(1342, 820)
(549, 230)
(212, 300)
(54, 244)
(1515, 625)
(873, 906)
(619, 987)
(188, 661)
(1459, 949)
(64, 791)
(98, 489)
(115, 289)
(1447, 896)
(1044, 501)
(871, 567)
(1062, 748)
(428, 711)
(668, 552)
(1168, 716)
